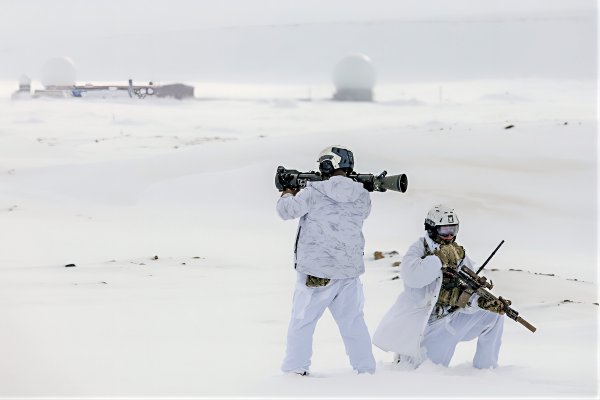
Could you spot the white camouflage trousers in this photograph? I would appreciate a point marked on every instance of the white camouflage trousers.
(345, 299)
(442, 336)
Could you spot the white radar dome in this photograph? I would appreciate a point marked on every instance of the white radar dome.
(354, 72)
(58, 71)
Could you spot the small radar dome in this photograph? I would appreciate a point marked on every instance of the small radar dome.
(58, 71)
(354, 78)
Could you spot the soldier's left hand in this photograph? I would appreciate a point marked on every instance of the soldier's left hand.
(506, 302)
(494, 305)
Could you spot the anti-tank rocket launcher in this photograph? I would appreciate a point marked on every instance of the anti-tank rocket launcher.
(293, 179)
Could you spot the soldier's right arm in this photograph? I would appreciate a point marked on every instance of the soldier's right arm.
(290, 207)
(418, 271)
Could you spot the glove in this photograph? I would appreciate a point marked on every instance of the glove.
(460, 251)
(493, 305)
(369, 186)
(447, 255)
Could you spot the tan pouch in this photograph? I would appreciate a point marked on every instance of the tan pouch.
(313, 281)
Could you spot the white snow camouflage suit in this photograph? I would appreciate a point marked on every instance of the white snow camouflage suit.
(405, 330)
(329, 241)
(329, 245)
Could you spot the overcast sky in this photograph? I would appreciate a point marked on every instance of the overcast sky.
(185, 39)
(89, 17)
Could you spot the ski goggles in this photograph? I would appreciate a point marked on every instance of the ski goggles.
(447, 230)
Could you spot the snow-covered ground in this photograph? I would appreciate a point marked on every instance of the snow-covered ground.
(184, 277)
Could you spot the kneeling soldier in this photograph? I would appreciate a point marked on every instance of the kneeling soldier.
(435, 312)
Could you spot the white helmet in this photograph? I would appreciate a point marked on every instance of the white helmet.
(441, 221)
(335, 157)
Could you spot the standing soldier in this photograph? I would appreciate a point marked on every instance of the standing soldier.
(431, 317)
(328, 261)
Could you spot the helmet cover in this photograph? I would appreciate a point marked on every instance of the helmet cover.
(441, 221)
(335, 157)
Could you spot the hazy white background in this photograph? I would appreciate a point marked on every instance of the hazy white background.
(275, 41)
(108, 184)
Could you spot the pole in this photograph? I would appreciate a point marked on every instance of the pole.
(489, 258)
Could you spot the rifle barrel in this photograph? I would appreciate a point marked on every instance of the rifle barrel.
(486, 294)
(526, 324)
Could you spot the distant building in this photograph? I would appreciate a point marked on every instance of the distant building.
(354, 79)
(24, 91)
(175, 90)
(58, 78)
(25, 84)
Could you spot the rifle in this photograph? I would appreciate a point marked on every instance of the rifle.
(480, 285)
(294, 179)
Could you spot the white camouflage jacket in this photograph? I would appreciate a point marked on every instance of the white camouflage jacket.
(401, 329)
(329, 241)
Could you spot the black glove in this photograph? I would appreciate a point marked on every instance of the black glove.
(369, 186)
